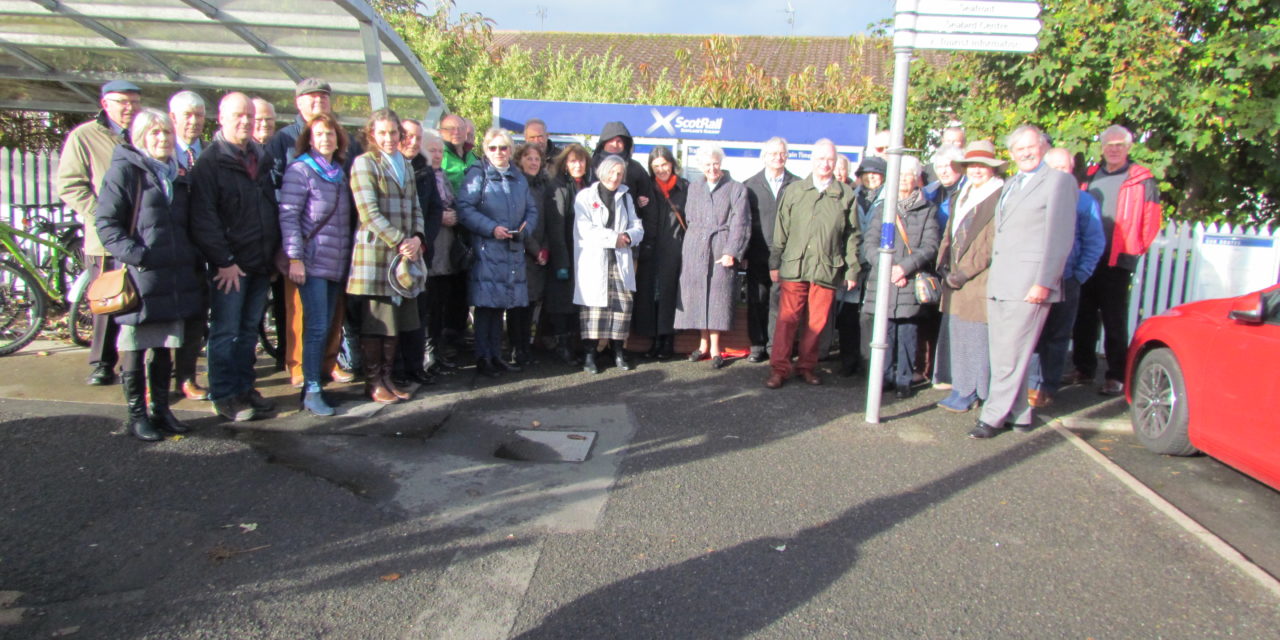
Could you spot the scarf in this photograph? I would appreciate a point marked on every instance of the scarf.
(607, 196)
(165, 171)
(328, 172)
(667, 185)
(910, 202)
(396, 160)
(971, 196)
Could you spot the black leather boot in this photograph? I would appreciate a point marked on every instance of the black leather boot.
(620, 355)
(135, 399)
(655, 347)
(484, 367)
(589, 362)
(563, 352)
(158, 381)
(667, 346)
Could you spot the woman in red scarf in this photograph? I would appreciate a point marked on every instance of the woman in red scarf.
(569, 175)
(658, 262)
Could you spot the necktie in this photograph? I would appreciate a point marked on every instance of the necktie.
(1013, 188)
(191, 158)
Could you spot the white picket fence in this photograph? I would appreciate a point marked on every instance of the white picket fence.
(26, 178)
(1165, 277)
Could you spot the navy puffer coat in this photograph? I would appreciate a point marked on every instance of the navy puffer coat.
(489, 198)
(162, 261)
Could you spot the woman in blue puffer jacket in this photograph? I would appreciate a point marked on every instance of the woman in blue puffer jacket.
(315, 227)
(495, 204)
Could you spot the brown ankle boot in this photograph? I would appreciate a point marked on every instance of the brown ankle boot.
(374, 387)
(389, 346)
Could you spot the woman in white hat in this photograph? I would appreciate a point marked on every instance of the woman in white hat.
(963, 260)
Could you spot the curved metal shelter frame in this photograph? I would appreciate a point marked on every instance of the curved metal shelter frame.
(55, 55)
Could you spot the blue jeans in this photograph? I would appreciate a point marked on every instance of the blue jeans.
(233, 335)
(1050, 357)
(319, 299)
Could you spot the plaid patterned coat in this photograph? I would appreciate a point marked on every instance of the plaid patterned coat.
(389, 213)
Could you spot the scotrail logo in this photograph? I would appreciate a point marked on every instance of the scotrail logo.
(674, 125)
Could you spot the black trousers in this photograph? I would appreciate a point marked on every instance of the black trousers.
(520, 327)
(411, 349)
(102, 347)
(277, 315)
(1104, 304)
(849, 330)
(762, 305)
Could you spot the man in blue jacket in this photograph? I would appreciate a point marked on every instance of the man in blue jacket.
(1044, 375)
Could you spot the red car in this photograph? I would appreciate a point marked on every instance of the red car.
(1201, 378)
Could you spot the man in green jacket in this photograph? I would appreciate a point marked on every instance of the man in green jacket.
(815, 250)
(86, 155)
(454, 129)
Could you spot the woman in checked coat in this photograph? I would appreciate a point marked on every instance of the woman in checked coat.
(719, 229)
(391, 223)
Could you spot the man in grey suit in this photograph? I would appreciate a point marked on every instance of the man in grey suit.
(764, 191)
(1035, 228)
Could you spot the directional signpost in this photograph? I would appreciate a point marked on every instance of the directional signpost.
(970, 25)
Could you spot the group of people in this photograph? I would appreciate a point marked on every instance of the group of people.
(382, 251)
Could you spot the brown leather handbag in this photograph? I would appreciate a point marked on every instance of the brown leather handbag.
(113, 292)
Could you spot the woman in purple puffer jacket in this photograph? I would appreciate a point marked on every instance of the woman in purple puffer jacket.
(315, 227)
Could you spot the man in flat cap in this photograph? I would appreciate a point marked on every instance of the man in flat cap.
(86, 155)
(312, 98)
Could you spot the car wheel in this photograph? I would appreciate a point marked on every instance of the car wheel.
(1159, 408)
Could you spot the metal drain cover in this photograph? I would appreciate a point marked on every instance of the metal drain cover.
(540, 445)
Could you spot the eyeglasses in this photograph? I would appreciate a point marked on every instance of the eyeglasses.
(133, 101)
(499, 147)
(448, 128)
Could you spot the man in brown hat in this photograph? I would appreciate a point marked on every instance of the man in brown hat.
(86, 155)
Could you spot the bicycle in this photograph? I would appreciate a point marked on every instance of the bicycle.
(42, 266)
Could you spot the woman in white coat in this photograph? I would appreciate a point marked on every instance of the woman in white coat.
(605, 227)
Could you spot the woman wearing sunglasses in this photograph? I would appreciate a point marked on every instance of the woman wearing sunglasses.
(495, 204)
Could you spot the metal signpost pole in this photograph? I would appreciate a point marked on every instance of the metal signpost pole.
(888, 228)
(974, 25)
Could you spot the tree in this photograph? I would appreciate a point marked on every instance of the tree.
(1195, 80)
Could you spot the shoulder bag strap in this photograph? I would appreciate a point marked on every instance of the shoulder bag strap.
(676, 211)
(903, 232)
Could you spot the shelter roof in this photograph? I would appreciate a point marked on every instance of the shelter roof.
(54, 55)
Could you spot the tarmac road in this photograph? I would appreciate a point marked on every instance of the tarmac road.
(710, 507)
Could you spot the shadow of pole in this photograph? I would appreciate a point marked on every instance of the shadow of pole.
(740, 590)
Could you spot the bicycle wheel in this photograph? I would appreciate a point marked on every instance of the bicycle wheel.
(79, 317)
(22, 308)
(70, 268)
(267, 330)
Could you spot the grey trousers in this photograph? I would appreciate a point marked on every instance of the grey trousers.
(1014, 328)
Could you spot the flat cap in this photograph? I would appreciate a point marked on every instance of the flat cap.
(311, 85)
(119, 86)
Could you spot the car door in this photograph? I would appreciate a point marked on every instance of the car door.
(1243, 413)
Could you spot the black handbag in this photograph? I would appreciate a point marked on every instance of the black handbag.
(927, 287)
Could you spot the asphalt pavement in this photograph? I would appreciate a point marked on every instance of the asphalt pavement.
(708, 507)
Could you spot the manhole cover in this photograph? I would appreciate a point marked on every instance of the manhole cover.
(538, 445)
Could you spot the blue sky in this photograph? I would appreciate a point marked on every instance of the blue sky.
(733, 17)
